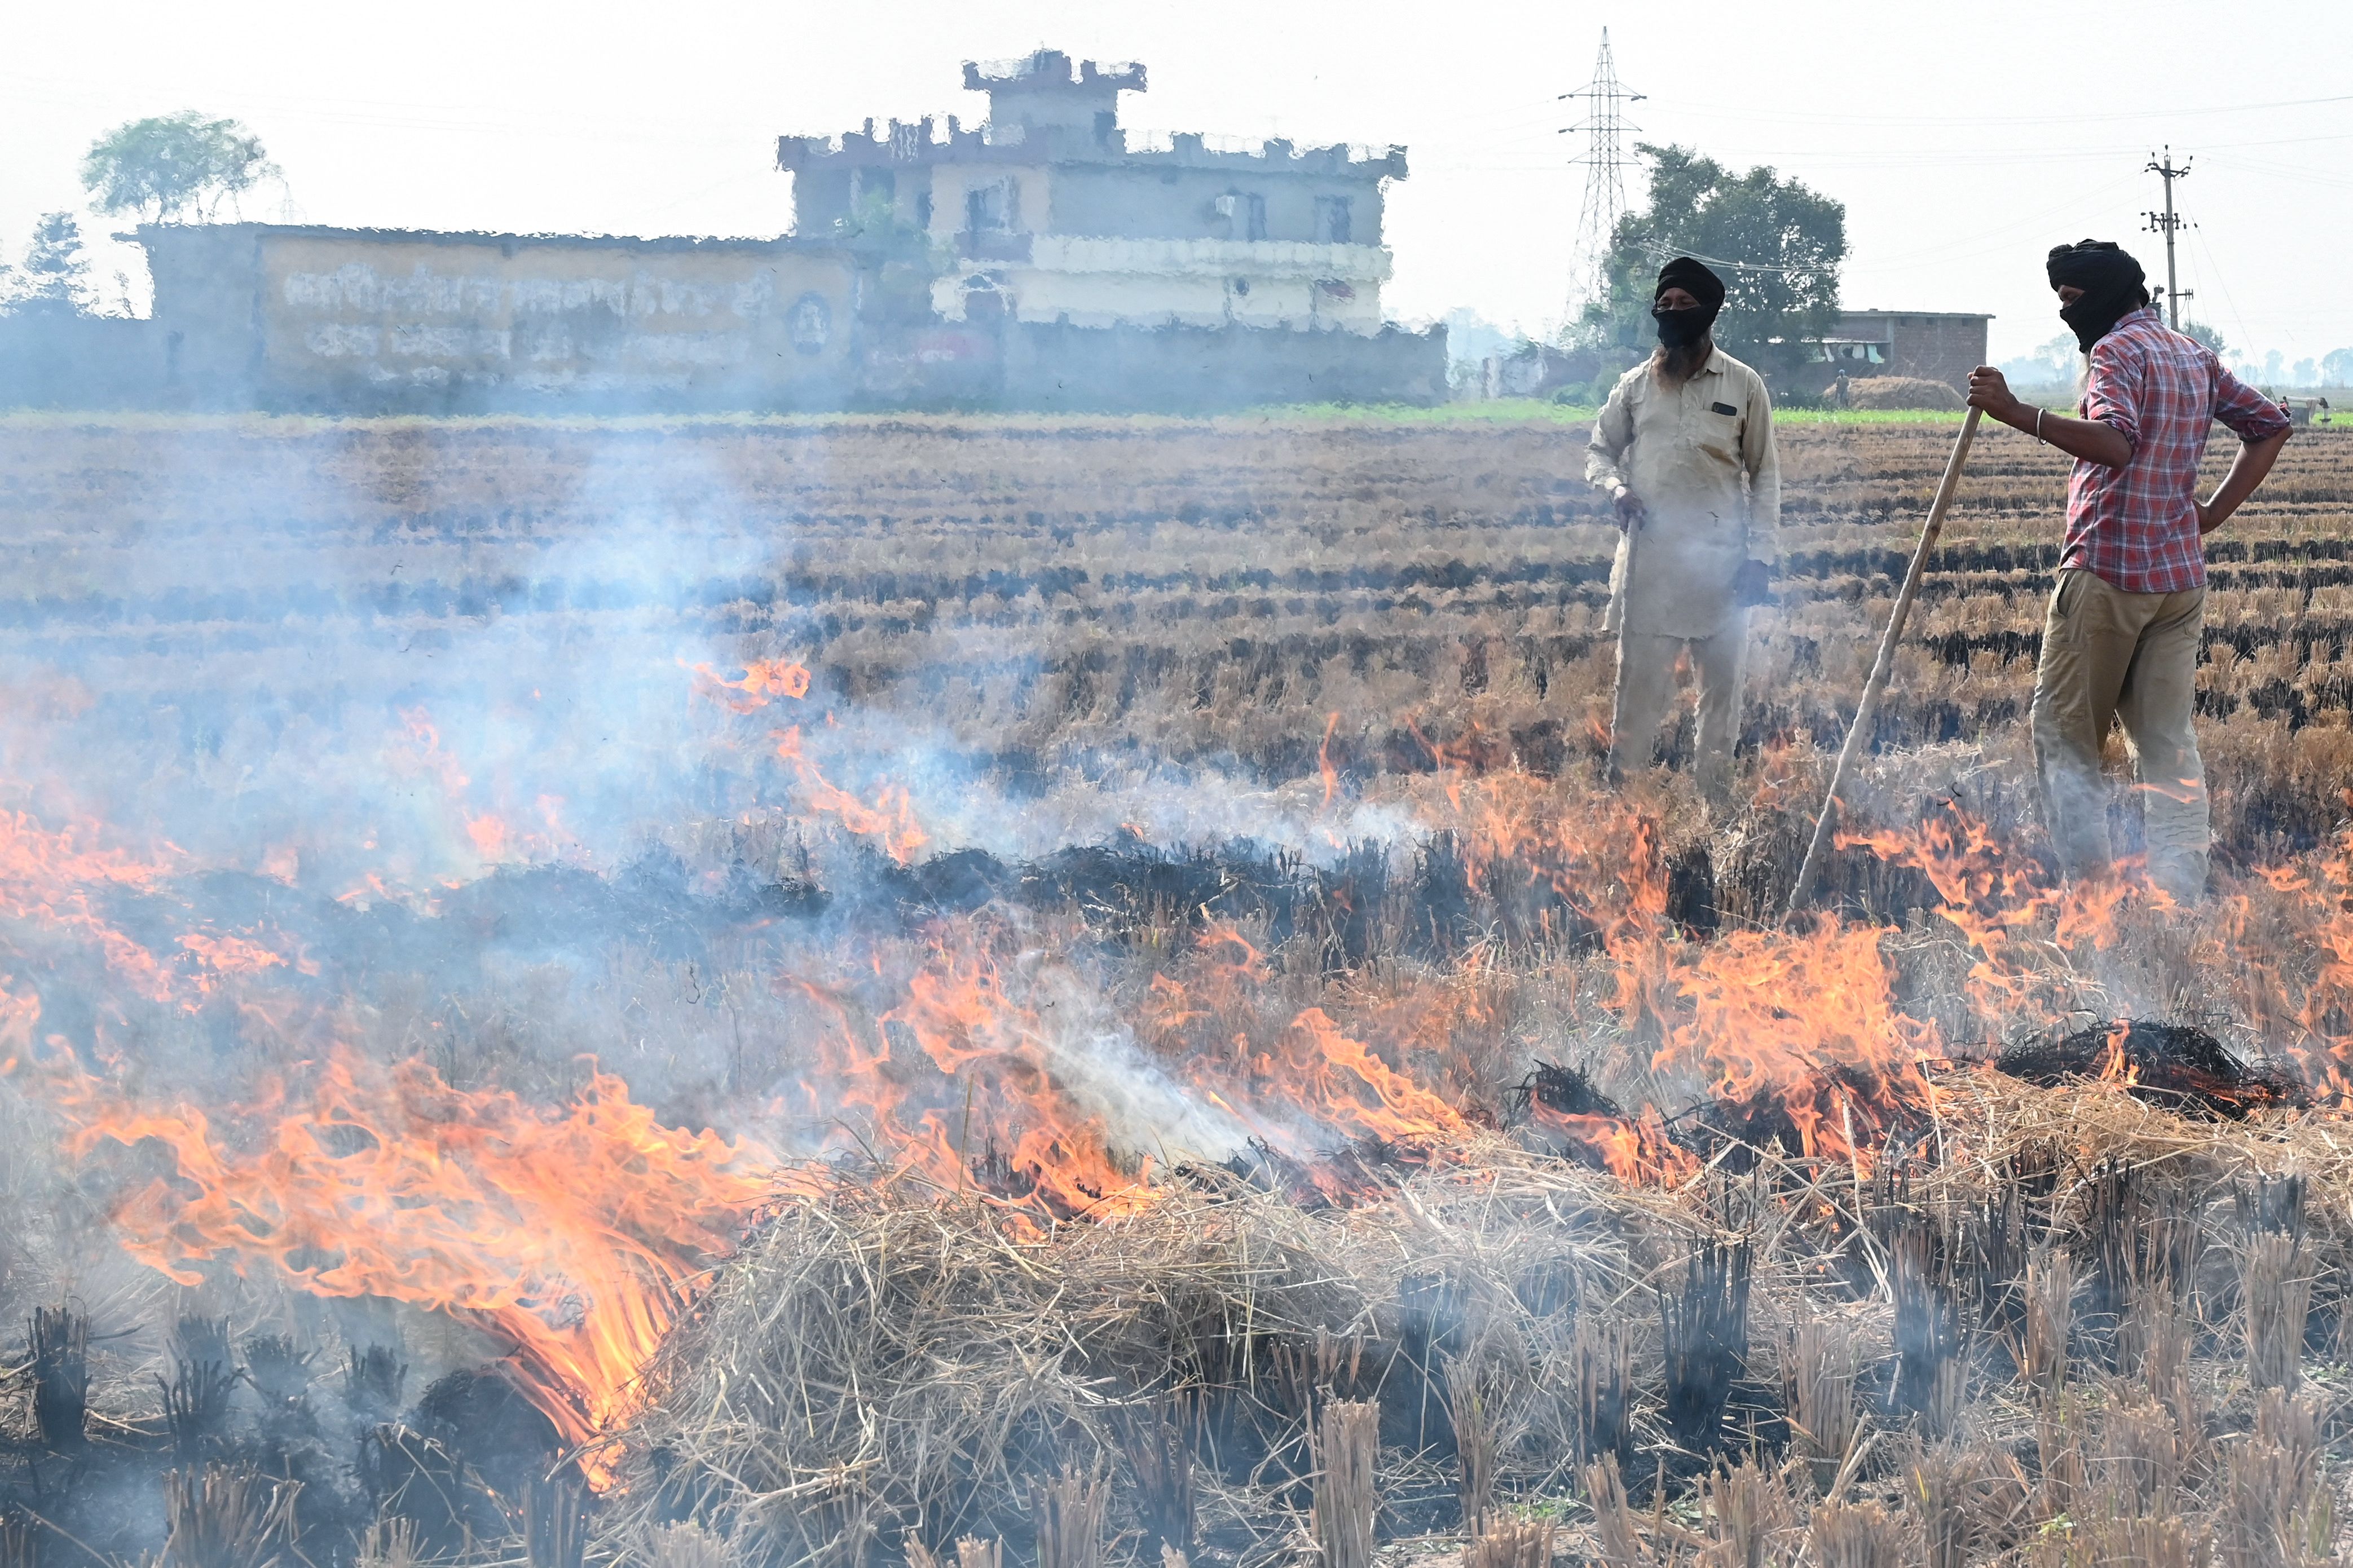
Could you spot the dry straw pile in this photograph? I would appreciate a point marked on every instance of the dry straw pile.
(2095, 1330)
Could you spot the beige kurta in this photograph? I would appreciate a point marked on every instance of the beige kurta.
(1700, 458)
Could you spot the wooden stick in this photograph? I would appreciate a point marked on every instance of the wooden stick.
(1882, 666)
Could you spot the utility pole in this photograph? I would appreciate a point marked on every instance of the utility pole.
(2168, 223)
(1604, 157)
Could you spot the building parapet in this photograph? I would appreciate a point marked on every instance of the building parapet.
(918, 142)
(1051, 68)
(156, 237)
(1846, 315)
(1210, 258)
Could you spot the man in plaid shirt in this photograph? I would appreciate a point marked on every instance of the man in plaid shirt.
(2121, 638)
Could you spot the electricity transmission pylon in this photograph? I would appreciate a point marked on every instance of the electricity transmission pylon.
(1603, 155)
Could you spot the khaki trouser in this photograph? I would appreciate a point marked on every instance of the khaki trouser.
(2109, 655)
(1646, 685)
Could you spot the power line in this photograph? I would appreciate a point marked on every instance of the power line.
(1603, 128)
(2215, 272)
(1657, 252)
(1747, 114)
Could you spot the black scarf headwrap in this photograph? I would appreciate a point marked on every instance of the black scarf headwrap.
(2110, 280)
(1680, 329)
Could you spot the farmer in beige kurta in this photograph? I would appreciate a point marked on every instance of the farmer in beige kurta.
(1685, 450)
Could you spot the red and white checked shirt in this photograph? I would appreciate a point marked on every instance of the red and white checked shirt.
(2137, 527)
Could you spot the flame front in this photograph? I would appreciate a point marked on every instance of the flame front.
(978, 1054)
(573, 1234)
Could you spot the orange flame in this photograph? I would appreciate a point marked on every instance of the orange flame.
(221, 955)
(891, 818)
(763, 681)
(575, 1235)
(1323, 759)
(48, 879)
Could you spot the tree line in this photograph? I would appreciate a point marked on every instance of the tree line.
(166, 168)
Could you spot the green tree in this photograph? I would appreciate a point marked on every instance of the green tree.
(55, 274)
(1777, 244)
(2207, 336)
(903, 257)
(171, 167)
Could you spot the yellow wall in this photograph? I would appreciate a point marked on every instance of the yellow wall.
(403, 315)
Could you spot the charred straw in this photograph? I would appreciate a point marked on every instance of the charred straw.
(277, 1369)
(2269, 1204)
(1703, 1319)
(196, 1405)
(1305, 1368)
(1158, 1441)
(58, 1341)
(227, 1517)
(198, 1340)
(1997, 1238)
(374, 1378)
(2140, 1236)
(1601, 1394)
(555, 1524)
(2176, 1066)
(410, 1477)
(1929, 1333)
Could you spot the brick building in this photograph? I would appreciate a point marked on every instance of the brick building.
(1934, 345)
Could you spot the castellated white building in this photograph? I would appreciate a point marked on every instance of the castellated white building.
(1051, 213)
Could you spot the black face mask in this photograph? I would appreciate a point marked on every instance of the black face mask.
(2093, 316)
(1681, 328)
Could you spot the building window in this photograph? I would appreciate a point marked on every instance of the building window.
(1332, 224)
(1106, 122)
(923, 209)
(1845, 353)
(1244, 216)
(993, 208)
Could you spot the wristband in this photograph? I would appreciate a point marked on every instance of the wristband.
(2037, 425)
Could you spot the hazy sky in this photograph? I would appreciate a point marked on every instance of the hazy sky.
(1963, 139)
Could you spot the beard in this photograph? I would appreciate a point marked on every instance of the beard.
(1685, 361)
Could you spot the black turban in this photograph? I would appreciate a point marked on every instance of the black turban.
(2111, 281)
(1695, 280)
